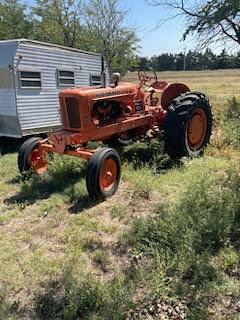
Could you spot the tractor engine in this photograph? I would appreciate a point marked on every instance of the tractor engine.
(88, 109)
(106, 112)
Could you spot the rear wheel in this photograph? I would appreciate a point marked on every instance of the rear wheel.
(103, 173)
(31, 157)
(120, 140)
(188, 125)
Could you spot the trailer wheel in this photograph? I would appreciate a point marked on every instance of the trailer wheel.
(103, 173)
(31, 157)
(188, 125)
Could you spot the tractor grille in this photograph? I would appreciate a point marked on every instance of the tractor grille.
(73, 112)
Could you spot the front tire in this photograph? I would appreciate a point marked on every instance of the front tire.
(103, 173)
(188, 125)
(31, 157)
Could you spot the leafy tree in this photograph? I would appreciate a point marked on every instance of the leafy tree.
(223, 60)
(105, 24)
(209, 20)
(96, 25)
(237, 60)
(14, 22)
(58, 21)
(179, 61)
(162, 62)
(210, 59)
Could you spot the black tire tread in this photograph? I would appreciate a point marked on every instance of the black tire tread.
(24, 151)
(175, 125)
(93, 168)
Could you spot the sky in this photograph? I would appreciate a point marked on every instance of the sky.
(165, 38)
(144, 18)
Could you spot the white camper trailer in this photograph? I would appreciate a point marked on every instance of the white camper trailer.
(31, 75)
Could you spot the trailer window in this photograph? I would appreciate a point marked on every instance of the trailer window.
(30, 79)
(95, 80)
(65, 78)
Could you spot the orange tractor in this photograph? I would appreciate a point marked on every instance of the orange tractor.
(118, 115)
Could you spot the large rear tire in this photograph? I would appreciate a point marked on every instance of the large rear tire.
(188, 125)
(103, 173)
(31, 157)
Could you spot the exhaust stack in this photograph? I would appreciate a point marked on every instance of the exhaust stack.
(103, 74)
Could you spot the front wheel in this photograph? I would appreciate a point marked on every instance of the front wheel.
(188, 125)
(31, 157)
(103, 173)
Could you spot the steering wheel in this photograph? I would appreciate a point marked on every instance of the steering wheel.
(144, 76)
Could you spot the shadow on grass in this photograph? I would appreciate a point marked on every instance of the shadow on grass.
(85, 202)
(152, 155)
(64, 173)
(84, 297)
(60, 180)
(65, 299)
(50, 304)
(37, 188)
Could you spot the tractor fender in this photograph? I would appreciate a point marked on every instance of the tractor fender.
(171, 92)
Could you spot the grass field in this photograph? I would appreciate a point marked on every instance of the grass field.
(219, 85)
(166, 245)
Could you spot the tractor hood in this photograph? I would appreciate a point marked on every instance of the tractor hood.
(97, 93)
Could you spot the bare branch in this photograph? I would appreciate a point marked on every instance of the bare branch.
(212, 19)
(227, 33)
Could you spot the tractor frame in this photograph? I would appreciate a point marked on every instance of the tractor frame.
(120, 114)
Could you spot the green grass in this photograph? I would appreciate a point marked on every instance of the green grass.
(171, 232)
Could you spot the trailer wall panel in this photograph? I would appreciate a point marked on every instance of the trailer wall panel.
(39, 108)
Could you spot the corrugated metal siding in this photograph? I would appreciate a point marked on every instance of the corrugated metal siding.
(40, 108)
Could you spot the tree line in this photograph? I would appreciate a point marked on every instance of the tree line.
(191, 60)
(101, 26)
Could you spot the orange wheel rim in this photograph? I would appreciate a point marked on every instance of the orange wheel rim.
(197, 129)
(108, 175)
(38, 161)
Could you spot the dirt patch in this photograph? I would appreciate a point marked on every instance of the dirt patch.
(160, 309)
